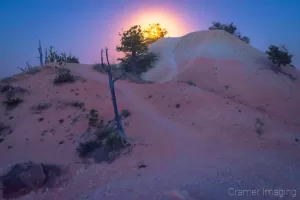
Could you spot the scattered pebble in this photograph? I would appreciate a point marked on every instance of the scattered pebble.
(41, 119)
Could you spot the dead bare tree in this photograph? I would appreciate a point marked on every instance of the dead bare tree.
(112, 81)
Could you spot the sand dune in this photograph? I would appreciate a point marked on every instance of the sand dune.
(220, 62)
(213, 120)
(214, 44)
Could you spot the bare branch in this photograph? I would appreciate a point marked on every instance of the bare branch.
(22, 69)
(102, 64)
(285, 49)
(106, 51)
(121, 76)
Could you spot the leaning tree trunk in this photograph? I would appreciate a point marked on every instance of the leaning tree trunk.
(41, 53)
(113, 97)
(115, 105)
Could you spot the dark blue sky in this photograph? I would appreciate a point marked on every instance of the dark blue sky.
(84, 27)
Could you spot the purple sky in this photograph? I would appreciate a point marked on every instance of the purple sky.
(84, 27)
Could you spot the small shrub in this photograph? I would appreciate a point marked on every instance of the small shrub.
(144, 62)
(259, 126)
(11, 90)
(60, 58)
(75, 104)
(113, 141)
(93, 117)
(5, 88)
(41, 106)
(177, 105)
(191, 83)
(125, 113)
(105, 147)
(64, 76)
(30, 70)
(226, 87)
(279, 56)
(41, 119)
(230, 28)
(141, 165)
(4, 131)
(12, 102)
(3, 127)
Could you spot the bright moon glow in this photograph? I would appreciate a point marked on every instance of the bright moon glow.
(171, 20)
(166, 19)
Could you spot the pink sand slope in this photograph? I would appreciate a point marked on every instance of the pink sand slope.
(198, 142)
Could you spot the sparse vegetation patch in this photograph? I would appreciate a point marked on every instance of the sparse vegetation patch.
(30, 70)
(41, 106)
(141, 165)
(93, 117)
(191, 83)
(259, 126)
(75, 104)
(125, 113)
(4, 131)
(106, 146)
(54, 56)
(12, 102)
(64, 76)
(10, 90)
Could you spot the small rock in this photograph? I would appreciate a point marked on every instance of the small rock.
(22, 178)
(41, 119)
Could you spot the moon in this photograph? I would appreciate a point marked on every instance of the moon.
(167, 19)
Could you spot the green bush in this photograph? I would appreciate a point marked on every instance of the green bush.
(53, 56)
(64, 76)
(125, 113)
(229, 28)
(41, 106)
(105, 147)
(279, 56)
(11, 102)
(145, 61)
(93, 117)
